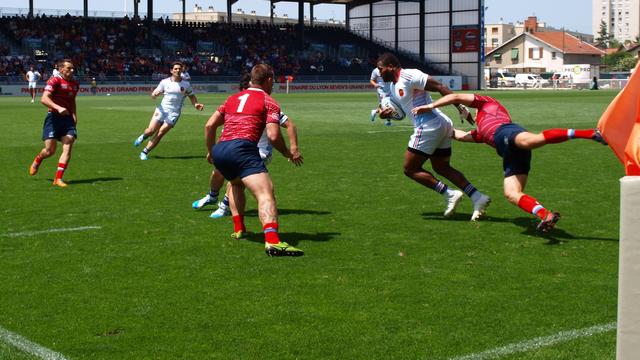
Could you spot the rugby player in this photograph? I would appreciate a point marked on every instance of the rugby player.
(61, 120)
(431, 139)
(244, 116)
(264, 146)
(513, 144)
(32, 76)
(382, 90)
(168, 112)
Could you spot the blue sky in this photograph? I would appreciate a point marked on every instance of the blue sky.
(572, 14)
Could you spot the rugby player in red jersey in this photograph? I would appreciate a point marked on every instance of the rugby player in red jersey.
(513, 144)
(61, 120)
(245, 115)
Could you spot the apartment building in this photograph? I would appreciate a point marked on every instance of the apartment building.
(622, 18)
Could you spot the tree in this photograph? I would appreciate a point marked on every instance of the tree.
(625, 64)
(619, 61)
(604, 38)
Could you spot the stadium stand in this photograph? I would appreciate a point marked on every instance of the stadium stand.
(119, 49)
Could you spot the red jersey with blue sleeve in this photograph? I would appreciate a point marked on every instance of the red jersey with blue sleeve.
(63, 93)
(491, 115)
(247, 113)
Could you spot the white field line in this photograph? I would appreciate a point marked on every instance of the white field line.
(32, 233)
(539, 342)
(28, 346)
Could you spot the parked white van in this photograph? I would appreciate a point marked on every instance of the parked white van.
(506, 79)
(529, 80)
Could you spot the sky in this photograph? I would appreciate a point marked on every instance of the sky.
(570, 14)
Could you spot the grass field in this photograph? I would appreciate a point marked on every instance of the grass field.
(384, 274)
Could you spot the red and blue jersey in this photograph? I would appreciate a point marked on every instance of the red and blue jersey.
(247, 113)
(491, 115)
(63, 93)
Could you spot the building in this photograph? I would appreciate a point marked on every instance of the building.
(497, 34)
(546, 51)
(240, 16)
(444, 33)
(622, 18)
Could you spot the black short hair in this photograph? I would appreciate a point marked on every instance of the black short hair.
(244, 81)
(387, 59)
(177, 63)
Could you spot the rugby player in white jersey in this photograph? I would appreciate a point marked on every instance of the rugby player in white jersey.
(32, 76)
(431, 139)
(168, 112)
(382, 90)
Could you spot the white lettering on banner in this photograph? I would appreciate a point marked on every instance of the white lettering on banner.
(453, 82)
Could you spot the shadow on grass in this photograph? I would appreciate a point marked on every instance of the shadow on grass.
(254, 212)
(179, 157)
(91, 180)
(556, 236)
(293, 238)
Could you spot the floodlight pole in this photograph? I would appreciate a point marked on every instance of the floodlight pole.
(86, 9)
(150, 23)
(397, 22)
(135, 8)
(184, 12)
(30, 8)
(271, 6)
(301, 22)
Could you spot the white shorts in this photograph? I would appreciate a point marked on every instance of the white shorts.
(265, 154)
(382, 93)
(168, 117)
(32, 84)
(432, 135)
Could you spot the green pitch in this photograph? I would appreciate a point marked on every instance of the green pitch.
(383, 276)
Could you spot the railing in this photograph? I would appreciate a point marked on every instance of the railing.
(74, 12)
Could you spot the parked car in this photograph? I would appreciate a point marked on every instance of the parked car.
(530, 80)
(506, 79)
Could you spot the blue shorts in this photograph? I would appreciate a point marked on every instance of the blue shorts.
(237, 158)
(57, 126)
(515, 161)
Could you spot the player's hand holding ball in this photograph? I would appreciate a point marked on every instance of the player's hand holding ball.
(199, 106)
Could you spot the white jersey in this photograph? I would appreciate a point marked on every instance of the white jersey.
(55, 72)
(174, 93)
(409, 92)
(384, 86)
(264, 145)
(33, 76)
(185, 76)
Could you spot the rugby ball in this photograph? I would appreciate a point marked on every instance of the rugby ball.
(388, 103)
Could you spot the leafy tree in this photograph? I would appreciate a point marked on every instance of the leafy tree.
(625, 64)
(619, 61)
(604, 38)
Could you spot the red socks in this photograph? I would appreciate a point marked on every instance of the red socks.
(238, 223)
(61, 168)
(271, 233)
(37, 161)
(554, 136)
(531, 205)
